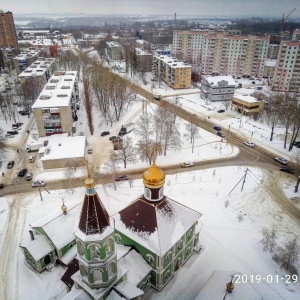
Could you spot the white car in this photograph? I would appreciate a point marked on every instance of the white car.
(249, 144)
(38, 183)
(281, 160)
(187, 164)
(31, 158)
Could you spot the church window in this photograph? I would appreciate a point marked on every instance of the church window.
(161, 193)
(147, 193)
(97, 273)
(167, 276)
(95, 251)
(118, 238)
(80, 248)
(179, 244)
(150, 259)
(109, 246)
(169, 256)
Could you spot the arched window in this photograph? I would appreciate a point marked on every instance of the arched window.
(161, 193)
(167, 276)
(83, 271)
(111, 269)
(118, 238)
(179, 245)
(95, 251)
(147, 193)
(97, 274)
(80, 248)
(150, 259)
(109, 246)
(169, 256)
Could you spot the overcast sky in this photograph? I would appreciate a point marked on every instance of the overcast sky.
(260, 8)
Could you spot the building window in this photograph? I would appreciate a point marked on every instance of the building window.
(179, 245)
(169, 256)
(147, 193)
(150, 259)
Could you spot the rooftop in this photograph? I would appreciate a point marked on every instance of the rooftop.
(38, 68)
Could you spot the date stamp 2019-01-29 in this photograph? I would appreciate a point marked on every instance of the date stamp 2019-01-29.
(238, 278)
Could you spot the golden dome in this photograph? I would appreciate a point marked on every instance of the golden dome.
(64, 208)
(89, 182)
(154, 177)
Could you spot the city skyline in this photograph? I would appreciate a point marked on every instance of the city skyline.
(243, 8)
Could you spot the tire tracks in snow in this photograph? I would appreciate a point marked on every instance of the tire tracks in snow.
(9, 249)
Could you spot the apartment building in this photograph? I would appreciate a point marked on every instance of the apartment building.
(114, 50)
(144, 60)
(26, 58)
(55, 108)
(175, 73)
(220, 53)
(296, 35)
(34, 78)
(217, 88)
(273, 51)
(287, 71)
(8, 35)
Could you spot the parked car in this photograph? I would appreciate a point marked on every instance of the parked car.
(253, 82)
(287, 170)
(221, 110)
(24, 112)
(104, 133)
(249, 144)
(22, 172)
(1, 186)
(239, 77)
(297, 144)
(12, 132)
(218, 128)
(113, 137)
(240, 85)
(10, 164)
(31, 158)
(116, 139)
(29, 176)
(38, 183)
(9, 135)
(281, 160)
(122, 177)
(220, 133)
(187, 164)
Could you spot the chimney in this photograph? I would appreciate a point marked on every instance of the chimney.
(31, 234)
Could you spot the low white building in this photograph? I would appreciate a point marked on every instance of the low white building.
(63, 150)
(218, 88)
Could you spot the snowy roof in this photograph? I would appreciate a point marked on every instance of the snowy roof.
(172, 62)
(129, 290)
(25, 54)
(270, 62)
(38, 68)
(53, 223)
(215, 288)
(136, 265)
(77, 294)
(114, 296)
(122, 250)
(58, 91)
(39, 247)
(246, 98)
(213, 81)
(158, 226)
(62, 146)
(113, 44)
(69, 256)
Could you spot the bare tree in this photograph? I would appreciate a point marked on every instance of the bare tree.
(110, 167)
(269, 239)
(88, 104)
(127, 153)
(192, 132)
(2, 144)
(288, 254)
(70, 172)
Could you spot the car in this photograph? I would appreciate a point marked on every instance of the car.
(297, 144)
(239, 77)
(220, 133)
(38, 183)
(31, 158)
(249, 144)
(253, 82)
(218, 128)
(12, 132)
(122, 177)
(117, 139)
(29, 176)
(24, 112)
(1, 186)
(104, 133)
(287, 170)
(10, 164)
(9, 135)
(240, 85)
(281, 160)
(22, 172)
(221, 110)
(187, 164)
(113, 137)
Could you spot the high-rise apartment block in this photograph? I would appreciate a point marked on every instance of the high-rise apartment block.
(287, 72)
(175, 73)
(8, 35)
(55, 109)
(222, 54)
